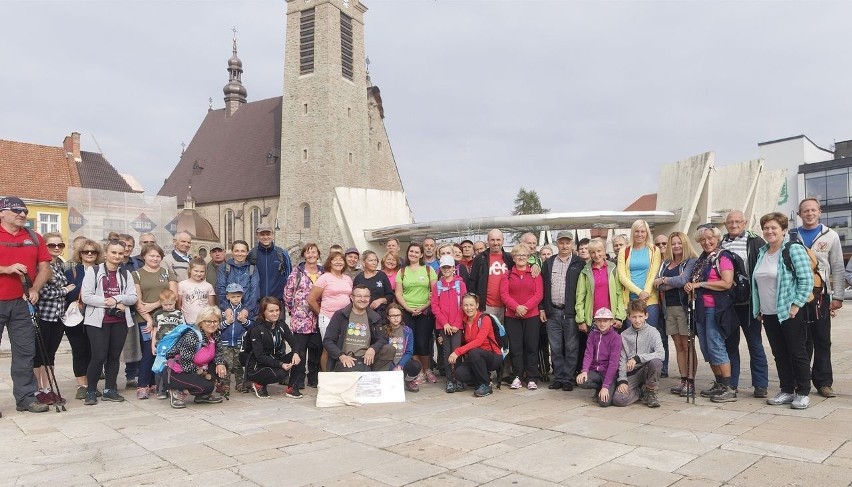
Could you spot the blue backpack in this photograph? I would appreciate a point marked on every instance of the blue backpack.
(499, 333)
(168, 342)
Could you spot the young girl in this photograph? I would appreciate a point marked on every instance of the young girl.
(446, 305)
(402, 339)
(195, 293)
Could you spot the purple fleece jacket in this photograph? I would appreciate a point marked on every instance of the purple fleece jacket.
(602, 353)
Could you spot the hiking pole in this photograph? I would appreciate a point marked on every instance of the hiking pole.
(690, 347)
(51, 376)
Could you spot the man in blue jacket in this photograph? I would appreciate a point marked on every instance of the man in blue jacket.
(272, 264)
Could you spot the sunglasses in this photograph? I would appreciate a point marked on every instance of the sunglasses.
(147, 242)
(705, 226)
(59, 246)
(89, 252)
(661, 244)
(117, 242)
(18, 211)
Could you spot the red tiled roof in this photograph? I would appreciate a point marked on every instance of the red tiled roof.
(36, 172)
(646, 202)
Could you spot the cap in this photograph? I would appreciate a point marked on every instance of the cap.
(604, 314)
(565, 234)
(234, 288)
(466, 241)
(263, 227)
(217, 247)
(351, 250)
(448, 261)
(11, 202)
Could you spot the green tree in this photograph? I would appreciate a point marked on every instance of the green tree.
(527, 203)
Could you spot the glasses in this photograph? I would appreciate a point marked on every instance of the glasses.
(146, 242)
(661, 244)
(117, 242)
(59, 246)
(89, 252)
(18, 211)
(395, 316)
(523, 256)
(735, 222)
(207, 322)
(705, 226)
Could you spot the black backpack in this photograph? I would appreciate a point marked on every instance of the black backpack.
(740, 291)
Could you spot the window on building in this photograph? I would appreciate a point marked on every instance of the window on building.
(254, 221)
(840, 222)
(48, 222)
(829, 187)
(306, 216)
(346, 45)
(229, 228)
(306, 42)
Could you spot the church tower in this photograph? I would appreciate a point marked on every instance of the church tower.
(235, 92)
(333, 133)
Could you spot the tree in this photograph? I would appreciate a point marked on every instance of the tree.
(527, 203)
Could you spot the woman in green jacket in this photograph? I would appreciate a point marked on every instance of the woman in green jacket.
(588, 301)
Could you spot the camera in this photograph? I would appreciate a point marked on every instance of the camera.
(115, 312)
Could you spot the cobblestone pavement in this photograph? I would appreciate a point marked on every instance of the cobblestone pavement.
(526, 438)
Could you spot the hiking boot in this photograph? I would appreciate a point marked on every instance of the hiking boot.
(81, 392)
(90, 399)
(411, 386)
(430, 376)
(141, 393)
(727, 395)
(760, 392)
(780, 399)
(826, 391)
(531, 385)
(260, 390)
(176, 399)
(677, 390)
(568, 386)
(451, 387)
(34, 407)
(650, 399)
(483, 390)
(688, 390)
(207, 399)
(516, 384)
(294, 393)
(459, 386)
(44, 398)
(112, 395)
(555, 385)
(800, 402)
(715, 389)
(132, 383)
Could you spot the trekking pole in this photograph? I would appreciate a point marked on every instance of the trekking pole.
(690, 346)
(51, 376)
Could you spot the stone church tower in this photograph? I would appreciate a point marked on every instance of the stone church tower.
(333, 134)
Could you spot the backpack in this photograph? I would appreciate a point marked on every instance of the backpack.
(456, 286)
(740, 291)
(252, 259)
(245, 349)
(499, 333)
(168, 342)
(228, 268)
(819, 285)
(33, 237)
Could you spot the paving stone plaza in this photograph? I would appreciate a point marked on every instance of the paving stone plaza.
(511, 438)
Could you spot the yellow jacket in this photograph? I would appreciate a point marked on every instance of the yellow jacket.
(624, 275)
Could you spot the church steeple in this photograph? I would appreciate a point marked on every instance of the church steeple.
(235, 92)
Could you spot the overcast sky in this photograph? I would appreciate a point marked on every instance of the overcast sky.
(583, 102)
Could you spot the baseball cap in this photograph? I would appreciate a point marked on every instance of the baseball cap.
(604, 314)
(217, 247)
(234, 288)
(11, 202)
(448, 261)
(466, 242)
(351, 250)
(565, 234)
(263, 227)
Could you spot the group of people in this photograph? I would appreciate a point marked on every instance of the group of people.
(602, 323)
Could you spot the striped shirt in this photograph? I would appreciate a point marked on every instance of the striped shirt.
(737, 245)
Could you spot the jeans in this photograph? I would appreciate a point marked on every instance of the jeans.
(757, 356)
(594, 380)
(787, 341)
(146, 376)
(562, 333)
(660, 325)
(15, 316)
(647, 377)
(710, 338)
(819, 343)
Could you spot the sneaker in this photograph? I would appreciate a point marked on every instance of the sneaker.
(760, 392)
(430, 377)
(260, 390)
(715, 388)
(483, 390)
(141, 393)
(459, 386)
(294, 393)
(800, 402)
(568, 386)
(56, 398)
(207, 399)
(516, 384)
(176, 399)
(688, 390)
(34, 407)
(531, 385)
(555, 385)
(677, 390)
(112, 395)
(727, 395)
(44, 398)
(162, 395)
(420, 379)
(91, 398)
(411, 386)
(650, 399)
(780, 398)
(81, 392)
(451, 387)
(826, 391)
(132, 383)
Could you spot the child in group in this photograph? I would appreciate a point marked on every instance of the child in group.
(401, 338)
(195, 292)
(445, 300)
(166, 318)
(231, 340)
(600, 362)
(641, 360)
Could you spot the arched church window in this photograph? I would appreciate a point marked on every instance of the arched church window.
(254, 221)
(229, 228)
(306, 216)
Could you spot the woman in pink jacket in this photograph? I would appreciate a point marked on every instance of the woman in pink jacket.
(521, 294)
(446, 298)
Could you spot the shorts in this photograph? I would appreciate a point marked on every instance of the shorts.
(676, 321)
